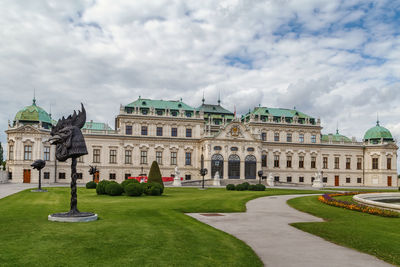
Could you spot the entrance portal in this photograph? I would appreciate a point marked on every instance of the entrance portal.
(234, 167)
(27, 176)
(250, 167)
(217, 165)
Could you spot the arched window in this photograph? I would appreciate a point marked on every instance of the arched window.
(234, 166)
(217, 165)
(250, 167)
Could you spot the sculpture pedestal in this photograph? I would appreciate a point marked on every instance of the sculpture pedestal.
(67, 217)
(177, 181)
(39, 190)
(318, 184)
(216, 182)
(270, 181)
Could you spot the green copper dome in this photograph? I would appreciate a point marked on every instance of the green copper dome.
(335, 138)
(377, 133)
(33, 114)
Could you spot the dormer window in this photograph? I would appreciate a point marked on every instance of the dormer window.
(174, 113)
(144, 103)
(214, 108)
(179, 105)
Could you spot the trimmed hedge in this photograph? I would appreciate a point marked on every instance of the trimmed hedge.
(153, 189)
(133, 189)
(101, 187)
(230, 187)
(155, 174)
(246, 186)
(91, 185)
(114, 189)
(129, 181)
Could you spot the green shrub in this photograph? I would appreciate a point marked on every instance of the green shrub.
(91, 185)
(241, 187)
(133, 189)
(259, 187)
(155, 174)
(101, 187)
(129, 181)
(114, 189)
(246, 185)
(252, 187)
(153, 189)
(230, 187)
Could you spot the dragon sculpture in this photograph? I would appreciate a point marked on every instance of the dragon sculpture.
(70, 143)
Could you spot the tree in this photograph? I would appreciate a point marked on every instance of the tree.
(155, 174)
(1, 154)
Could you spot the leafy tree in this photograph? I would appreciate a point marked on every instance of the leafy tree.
(1, 154)
(155, 174)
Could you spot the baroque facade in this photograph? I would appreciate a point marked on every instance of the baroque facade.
(284, 143)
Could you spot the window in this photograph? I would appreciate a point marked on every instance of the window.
(188, 132)
(324, 179)
(128, 156)
(188, 158)
(276, 161)
(174, 131)
(313, 138)
(159, 157)
(276, 137)
(301, 179)
(10, 175)
(289, 161)
(301, 138)
(46, 153)
(11, 153)
(143, 157)
(264, 136)
(389, 163)
(79, 175)
(128, 129)
(159, 112)
(112, 176)
(289, 137)
(188, 177)
(127, 175)
(301, 162)
(159, 131)
(348, 163)
(325, 162)
(337, 163)
(312, 179)
(80, 159)
(358, 180)
(276, 178)
(28, 152)
(347, 180)
(46, 175)
(61, 175)
(289, 179)
(96, 155)
(313, 162)
(375, 163)
(144, 130)
(263, 160)
(173, 158)
(174, 113)
(188, 114)
(359, 163)
(113, 156)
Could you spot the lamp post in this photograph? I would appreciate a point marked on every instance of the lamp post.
(260, 173)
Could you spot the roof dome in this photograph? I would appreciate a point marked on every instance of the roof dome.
(377, 133)
(336, 138)
(33, 114)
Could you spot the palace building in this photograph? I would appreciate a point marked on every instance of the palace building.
(284, 143)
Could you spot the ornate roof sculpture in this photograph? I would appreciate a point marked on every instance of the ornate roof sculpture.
(335, 138)
(278, 114)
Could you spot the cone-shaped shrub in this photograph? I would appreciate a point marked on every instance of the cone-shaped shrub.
(155, 174)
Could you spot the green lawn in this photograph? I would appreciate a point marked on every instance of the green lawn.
(375, 235)
(143, 231)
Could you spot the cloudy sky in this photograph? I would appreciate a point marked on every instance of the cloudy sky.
(336, 60)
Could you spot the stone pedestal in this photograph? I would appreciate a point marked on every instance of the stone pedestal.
(85, 217)
(177, 181)
(216, 181)
(318, 181)
(270, 181)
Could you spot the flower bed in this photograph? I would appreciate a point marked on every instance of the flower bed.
(329, 199)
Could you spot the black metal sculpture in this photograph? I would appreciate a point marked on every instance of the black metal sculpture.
(39, 165)
(70, 143)
(92, 171)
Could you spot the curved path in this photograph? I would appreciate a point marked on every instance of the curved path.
(265, 228)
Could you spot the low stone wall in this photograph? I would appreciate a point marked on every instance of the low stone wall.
(3, 177)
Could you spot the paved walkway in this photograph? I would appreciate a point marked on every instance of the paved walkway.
(265, 228)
